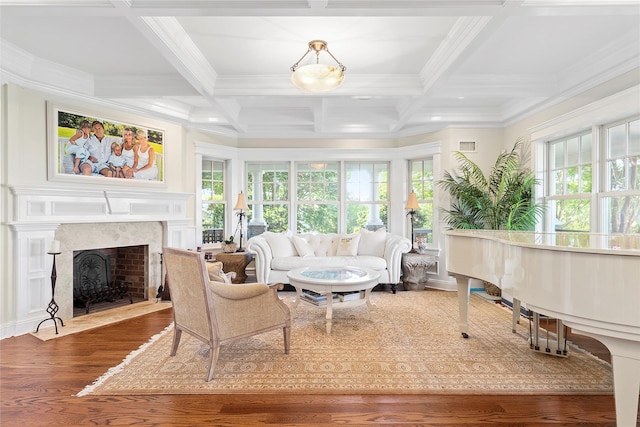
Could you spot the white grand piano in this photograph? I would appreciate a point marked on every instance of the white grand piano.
(589, 281)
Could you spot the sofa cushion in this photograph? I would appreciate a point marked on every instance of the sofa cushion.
(290, 263)
(322, 243)
(302, 246)
(372, 242)
(215, 271)
(280, 243)
(348, 245)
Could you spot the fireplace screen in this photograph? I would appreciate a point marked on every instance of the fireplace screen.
(92, 282)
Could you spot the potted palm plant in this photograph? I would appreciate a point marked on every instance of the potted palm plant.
(503, 200)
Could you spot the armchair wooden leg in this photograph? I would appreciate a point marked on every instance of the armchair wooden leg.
(213, 359)
(177, 333)
(287, 338)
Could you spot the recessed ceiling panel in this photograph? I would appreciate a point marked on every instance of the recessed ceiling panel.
(271, 45)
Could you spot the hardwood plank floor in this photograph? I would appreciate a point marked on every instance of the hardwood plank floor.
(39, 380)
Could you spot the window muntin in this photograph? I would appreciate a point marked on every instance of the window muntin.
(213, 201)
(571, 176)
(366, 198)
(572, 165)
(318, 197)
(268, 195)
(622, 147)
(422, 179)
(621, 198)
(613, 206)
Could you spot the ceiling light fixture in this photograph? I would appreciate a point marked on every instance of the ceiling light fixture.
(317, 77)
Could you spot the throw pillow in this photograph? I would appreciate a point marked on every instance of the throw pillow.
(348, 245)
(372, 242)
(302, 246)
(215, 271)
(281, 244)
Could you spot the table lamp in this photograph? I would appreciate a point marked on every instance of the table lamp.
(241, 205)
(413, 206)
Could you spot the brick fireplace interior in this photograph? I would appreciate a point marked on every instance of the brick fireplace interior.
(128, 272)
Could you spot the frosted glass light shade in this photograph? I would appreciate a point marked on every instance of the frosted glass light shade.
(317, 77)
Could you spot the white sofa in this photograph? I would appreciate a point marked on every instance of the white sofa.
(277, 253)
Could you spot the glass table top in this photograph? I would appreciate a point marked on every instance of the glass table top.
(334, 274)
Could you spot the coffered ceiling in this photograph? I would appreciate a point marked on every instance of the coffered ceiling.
(413, 66)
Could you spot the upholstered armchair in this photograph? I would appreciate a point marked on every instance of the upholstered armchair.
(216, 312)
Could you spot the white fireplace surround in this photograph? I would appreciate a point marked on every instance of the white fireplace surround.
(84, 219)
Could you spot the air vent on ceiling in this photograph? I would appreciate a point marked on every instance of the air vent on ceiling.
(467, 146)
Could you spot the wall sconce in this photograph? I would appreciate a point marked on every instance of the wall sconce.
(413, 206)
(241, 205)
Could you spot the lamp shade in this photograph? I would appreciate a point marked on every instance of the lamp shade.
(412, 202)
(317, 77)
(241, 204)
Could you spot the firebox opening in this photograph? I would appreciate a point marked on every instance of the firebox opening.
(108, 278)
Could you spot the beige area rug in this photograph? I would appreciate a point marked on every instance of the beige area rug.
(98, 319)
(409, 344)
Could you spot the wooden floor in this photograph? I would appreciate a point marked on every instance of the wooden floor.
(40, 378)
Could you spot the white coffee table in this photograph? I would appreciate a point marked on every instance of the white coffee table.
(329, 280)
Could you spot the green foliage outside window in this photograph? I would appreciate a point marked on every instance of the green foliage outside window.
(573, 215)
(212, 216)
(318, 218)
(276, 217)
(421, 174)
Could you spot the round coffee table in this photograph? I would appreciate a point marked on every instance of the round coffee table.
(326, 281)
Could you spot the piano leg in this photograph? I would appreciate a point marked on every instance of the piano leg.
(463, 304)
(516, 315)
(625, 360)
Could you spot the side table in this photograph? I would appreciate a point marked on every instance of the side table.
(414, 269)
(237, 262)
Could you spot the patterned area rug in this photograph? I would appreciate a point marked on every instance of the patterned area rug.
(409, 344)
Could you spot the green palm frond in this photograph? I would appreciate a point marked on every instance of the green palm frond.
(503, 200)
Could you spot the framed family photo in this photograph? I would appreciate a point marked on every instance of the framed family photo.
(86, 147)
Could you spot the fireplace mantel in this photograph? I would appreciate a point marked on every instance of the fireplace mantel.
(42, 214)
(69, 205)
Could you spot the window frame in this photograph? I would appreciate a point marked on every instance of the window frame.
(372, 224)
(218, 236)
(599, 212)
(420, 183)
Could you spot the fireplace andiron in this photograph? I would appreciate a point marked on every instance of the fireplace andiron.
(53, 308)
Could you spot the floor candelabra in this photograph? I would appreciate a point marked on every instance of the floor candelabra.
(53, 308)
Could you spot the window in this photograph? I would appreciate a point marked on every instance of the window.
(213, 203)
(571, 182)
(367, 204)
(421, 176)
(594, 185)
(267, 197)
(318, 199)
(621, 196)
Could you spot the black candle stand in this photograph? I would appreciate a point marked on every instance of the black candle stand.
(52, 308)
